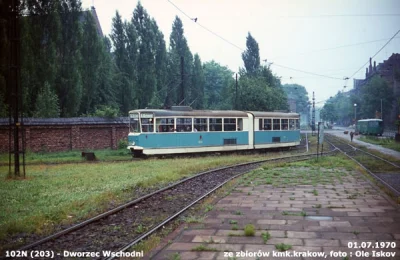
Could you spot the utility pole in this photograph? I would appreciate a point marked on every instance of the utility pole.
(313, 114)
(182, 96)
(381, 111)
(236, 106)
(14, 93)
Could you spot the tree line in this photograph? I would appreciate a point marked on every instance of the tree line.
(68, 69)
(375, 95)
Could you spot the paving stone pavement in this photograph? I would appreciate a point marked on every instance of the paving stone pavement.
(365, 220)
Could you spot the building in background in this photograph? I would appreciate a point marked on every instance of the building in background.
(386, 70)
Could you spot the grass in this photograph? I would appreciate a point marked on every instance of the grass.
(175, 256)
(385, 142)
(208, 208)
(204, 247)
(301, 213)
(283, 247)
(70, 156)
(311, 172)
(67, 193)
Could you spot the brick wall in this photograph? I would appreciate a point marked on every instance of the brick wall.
(68, 134)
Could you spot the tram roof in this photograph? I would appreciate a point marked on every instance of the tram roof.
(213, 113)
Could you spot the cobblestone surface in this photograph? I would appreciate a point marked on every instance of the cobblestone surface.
(368, 217)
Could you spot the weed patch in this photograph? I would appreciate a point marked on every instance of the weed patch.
(265, 236)
(283, 247)
(249, 230)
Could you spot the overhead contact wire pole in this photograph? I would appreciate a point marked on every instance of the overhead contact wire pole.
(13, 87)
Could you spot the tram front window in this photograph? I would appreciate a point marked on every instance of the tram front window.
(134, 123)
(147, 125)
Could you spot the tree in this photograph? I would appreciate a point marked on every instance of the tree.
(47, 103)
(372, 93)
(256, 94)
(106, 91)
(92, 61)
(198, 82)
(69, 78)
(3, 60)
(178, 92)
(329, 113)
(146, 30)
(125, 82)
(251, 56)
(160, 92)
(40, 51)
(218, 85)
(299, 94)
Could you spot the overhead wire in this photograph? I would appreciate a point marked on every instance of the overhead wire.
(338, 15)
(302, 71)
(375, 53)
(334, 48)
(241, 49)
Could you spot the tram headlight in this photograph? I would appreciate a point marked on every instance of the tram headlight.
(133, 143)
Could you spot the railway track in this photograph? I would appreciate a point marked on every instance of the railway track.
(383, 170)
(119, 229)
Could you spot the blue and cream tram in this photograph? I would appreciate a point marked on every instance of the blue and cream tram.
(183, 130)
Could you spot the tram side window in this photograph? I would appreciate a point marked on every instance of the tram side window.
(240, 124)
(164, 124)
(147, 125)
(267, 124)
(292, 124)
(373, 124)
(276, 124)
(215, 124)
(184, 125)
(200, 125)
(229, 124)
(297, 124)
(285, 124)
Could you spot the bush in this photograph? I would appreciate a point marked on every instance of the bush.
(122, 144)
(106, 111)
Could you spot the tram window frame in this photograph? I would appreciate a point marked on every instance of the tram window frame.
(276, 124)
(147, 123)
(265, 126)
(200, 124)
(184, 124)
(167, 125)
(284, 124)
(260, 124)
(229, 123)
(292, 124)
(297, 124)
(215, 124)
(134, 125)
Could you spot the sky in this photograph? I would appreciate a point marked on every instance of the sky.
(332, 38)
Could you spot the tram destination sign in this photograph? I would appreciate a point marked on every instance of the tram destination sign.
(146, 115)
